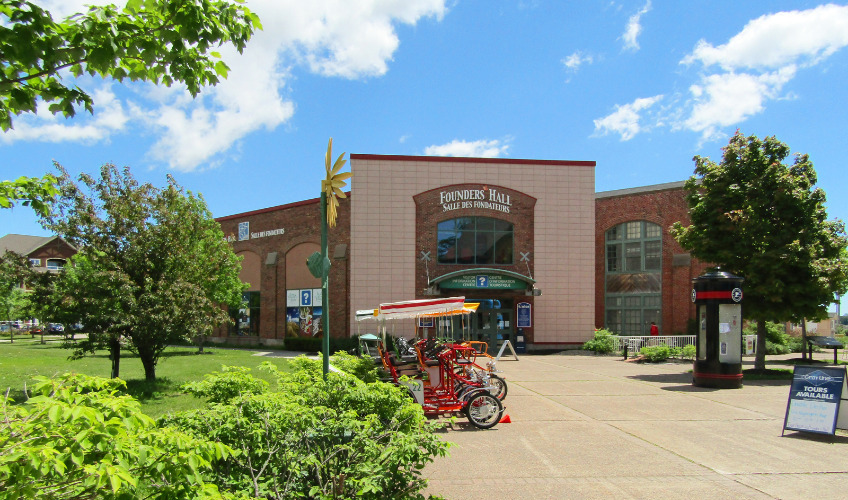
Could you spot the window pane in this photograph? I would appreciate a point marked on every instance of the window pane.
(632, 322)
(465, 248)
(614, 233)
(485, 248)
(613, 258)
(503, 248)
(55, 264)
(653, 257)
(447, 247)
(446, 225)
(634, 230)
(614, 321)
(502, 225)
(633, 257)
(465, 223)
(485, 224)
(652, 230)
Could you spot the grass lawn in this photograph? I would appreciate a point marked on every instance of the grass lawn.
(26, 358)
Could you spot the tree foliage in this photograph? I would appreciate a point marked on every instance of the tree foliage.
(160, 41)
(311, 438)
(13, 271)
(35, 192)
(153, 267)
(764, 220)
(78, 438)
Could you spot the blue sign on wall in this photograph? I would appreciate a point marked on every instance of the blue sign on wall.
(305, 298)
(523, 313)
(482, 281)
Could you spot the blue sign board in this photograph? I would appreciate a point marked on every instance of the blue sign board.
(523, 319)
(305, 298)
(814, 399)
(482, 281)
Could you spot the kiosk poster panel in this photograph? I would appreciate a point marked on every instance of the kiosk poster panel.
(814, 399)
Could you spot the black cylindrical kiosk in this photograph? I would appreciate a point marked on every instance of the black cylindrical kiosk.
(718, 306)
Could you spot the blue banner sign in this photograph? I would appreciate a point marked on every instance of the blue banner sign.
(523, 319)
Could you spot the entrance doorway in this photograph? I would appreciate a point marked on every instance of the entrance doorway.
(493, 322)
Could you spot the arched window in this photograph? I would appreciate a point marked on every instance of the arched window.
(633, 277)
(475, 240)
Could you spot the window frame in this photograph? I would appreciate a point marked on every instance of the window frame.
(465, 232)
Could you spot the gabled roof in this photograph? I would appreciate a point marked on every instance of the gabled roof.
(25, 244)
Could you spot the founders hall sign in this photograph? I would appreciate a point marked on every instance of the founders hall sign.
(485, 197)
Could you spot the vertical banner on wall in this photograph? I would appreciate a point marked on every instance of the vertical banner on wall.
(523, 315)
(317, 297)
(292, 298)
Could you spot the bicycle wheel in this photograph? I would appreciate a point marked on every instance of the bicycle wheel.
(497, 387)
(483, 410)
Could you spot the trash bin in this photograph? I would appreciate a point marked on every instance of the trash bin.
(520, 341)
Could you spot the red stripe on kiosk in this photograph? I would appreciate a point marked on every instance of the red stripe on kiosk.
(722, 294)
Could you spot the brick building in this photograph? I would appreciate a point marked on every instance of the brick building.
(513, 235)
(529, 240)
(641, 273)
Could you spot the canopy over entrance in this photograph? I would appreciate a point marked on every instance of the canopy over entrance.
(483, 279)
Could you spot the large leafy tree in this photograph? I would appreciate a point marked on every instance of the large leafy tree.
(765, 220)
(160, 41)
(13, 270)
(153, 267)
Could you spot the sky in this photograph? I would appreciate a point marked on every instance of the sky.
(640, 87)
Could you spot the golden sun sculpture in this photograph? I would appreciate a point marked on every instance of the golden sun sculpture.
(333, 184)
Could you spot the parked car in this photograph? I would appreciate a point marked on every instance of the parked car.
(55, 329)
(36, 330)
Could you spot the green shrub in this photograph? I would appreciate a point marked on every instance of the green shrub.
(775, 332)
(311, 438)
(77, 438)
(226, 385)
(656, 353)
(773, 348)
(604, 342)
(689, 351)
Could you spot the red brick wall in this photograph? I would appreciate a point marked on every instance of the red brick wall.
(429, 212)
(302, 223)
(663, 207)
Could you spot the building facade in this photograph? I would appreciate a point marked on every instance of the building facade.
(529, 240)
(642, 275)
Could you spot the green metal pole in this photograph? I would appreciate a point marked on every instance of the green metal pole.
(325, 296)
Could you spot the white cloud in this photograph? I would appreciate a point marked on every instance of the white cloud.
(778, 40)
(727, 99)
(755, 65)
(634, 28)
(576, 59)
(109, 117)
(334, 38)
(474, 149)
(625, 119)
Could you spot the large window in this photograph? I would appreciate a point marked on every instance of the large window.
(475, 240)
(633, 277)
(246, 316)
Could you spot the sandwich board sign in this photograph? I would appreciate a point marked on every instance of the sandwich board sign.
(815, 399)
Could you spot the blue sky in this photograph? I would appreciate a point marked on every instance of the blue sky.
(640, 87)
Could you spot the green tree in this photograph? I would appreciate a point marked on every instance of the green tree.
(159, 41)
(153, 267)
(12, 273)
(78, 438)
(766, 221)
(35, 192)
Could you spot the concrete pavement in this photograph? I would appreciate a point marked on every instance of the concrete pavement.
(586, 427)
